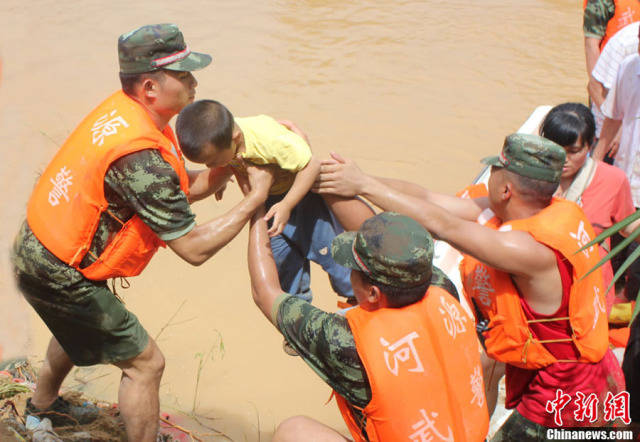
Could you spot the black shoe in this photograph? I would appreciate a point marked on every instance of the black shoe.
(62, 413)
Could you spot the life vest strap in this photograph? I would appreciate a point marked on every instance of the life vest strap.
(78, 252)
(526, 346)
(115, 217)
(124, 284)
(549, 341)
(563, 318)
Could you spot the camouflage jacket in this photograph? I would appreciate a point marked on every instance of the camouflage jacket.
(325, 342)
(141, 183)
(596, 16)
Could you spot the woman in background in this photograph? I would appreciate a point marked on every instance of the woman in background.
(601, 190)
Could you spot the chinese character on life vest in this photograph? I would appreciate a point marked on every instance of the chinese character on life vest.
(426, 429)
(582, 238)
(103, 127)
(477, 387)
(482, 287)
(598, 306)
(402, 351)
(555, 406)
(62, 182)
(626, 17)
(453, 320)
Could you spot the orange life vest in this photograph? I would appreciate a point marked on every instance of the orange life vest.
(423, 365)
(562, 226)
(68, 199)
(625, 13)
(473, 191)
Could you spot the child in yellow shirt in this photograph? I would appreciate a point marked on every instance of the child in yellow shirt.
(302, 226)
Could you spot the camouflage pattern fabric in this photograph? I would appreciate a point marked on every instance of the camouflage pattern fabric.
(389, 248)
(596, 16)
(325, 342)
(519, 428)
(531, 156)
(92, 325)
(141, 183)
(154, 47)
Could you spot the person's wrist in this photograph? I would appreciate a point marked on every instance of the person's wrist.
(365, 184)
(285, 205)
(254, 198)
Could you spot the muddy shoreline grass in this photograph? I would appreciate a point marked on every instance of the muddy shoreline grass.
(17, 384)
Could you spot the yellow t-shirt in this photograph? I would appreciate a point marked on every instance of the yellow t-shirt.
(269, 142)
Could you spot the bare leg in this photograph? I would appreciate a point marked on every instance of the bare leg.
(55, 368)
(299, 428)
(138, 394)
(350, 212)
(493, 372)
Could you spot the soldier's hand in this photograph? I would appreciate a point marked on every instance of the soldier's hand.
(260, 177)
(243, 182)
(339, 176)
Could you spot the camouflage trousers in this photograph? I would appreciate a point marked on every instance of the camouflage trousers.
(519, 428)
(88, 320)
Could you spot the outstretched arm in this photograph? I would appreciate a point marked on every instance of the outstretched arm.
(203, 183)
(302, 184)
(514, 252)
(205, 240)
(343, 177)
(265, 285)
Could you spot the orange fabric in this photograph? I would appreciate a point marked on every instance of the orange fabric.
(474, 191)
(423, 365)
(68, 199)
(618, 337)
(563, 227)
(625, 13)
(481, 302)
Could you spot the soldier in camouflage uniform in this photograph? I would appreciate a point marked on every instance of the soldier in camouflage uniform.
(597, 14)
(324, 340)
(89, 324)
(522, 183)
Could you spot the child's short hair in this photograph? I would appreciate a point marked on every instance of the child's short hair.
(201, 122)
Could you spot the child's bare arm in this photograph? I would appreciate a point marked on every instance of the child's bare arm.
(350, 212)
(261, 188)
(302, 183)
(203, 183)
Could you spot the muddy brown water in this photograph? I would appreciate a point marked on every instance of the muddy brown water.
(414, 89)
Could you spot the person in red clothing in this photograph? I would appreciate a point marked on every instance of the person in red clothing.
(546, 323)
(601, 190)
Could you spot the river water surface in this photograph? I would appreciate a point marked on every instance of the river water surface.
(419, 90)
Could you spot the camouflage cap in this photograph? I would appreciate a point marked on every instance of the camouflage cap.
(154, 47)
(389, 248)
(531, 156)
